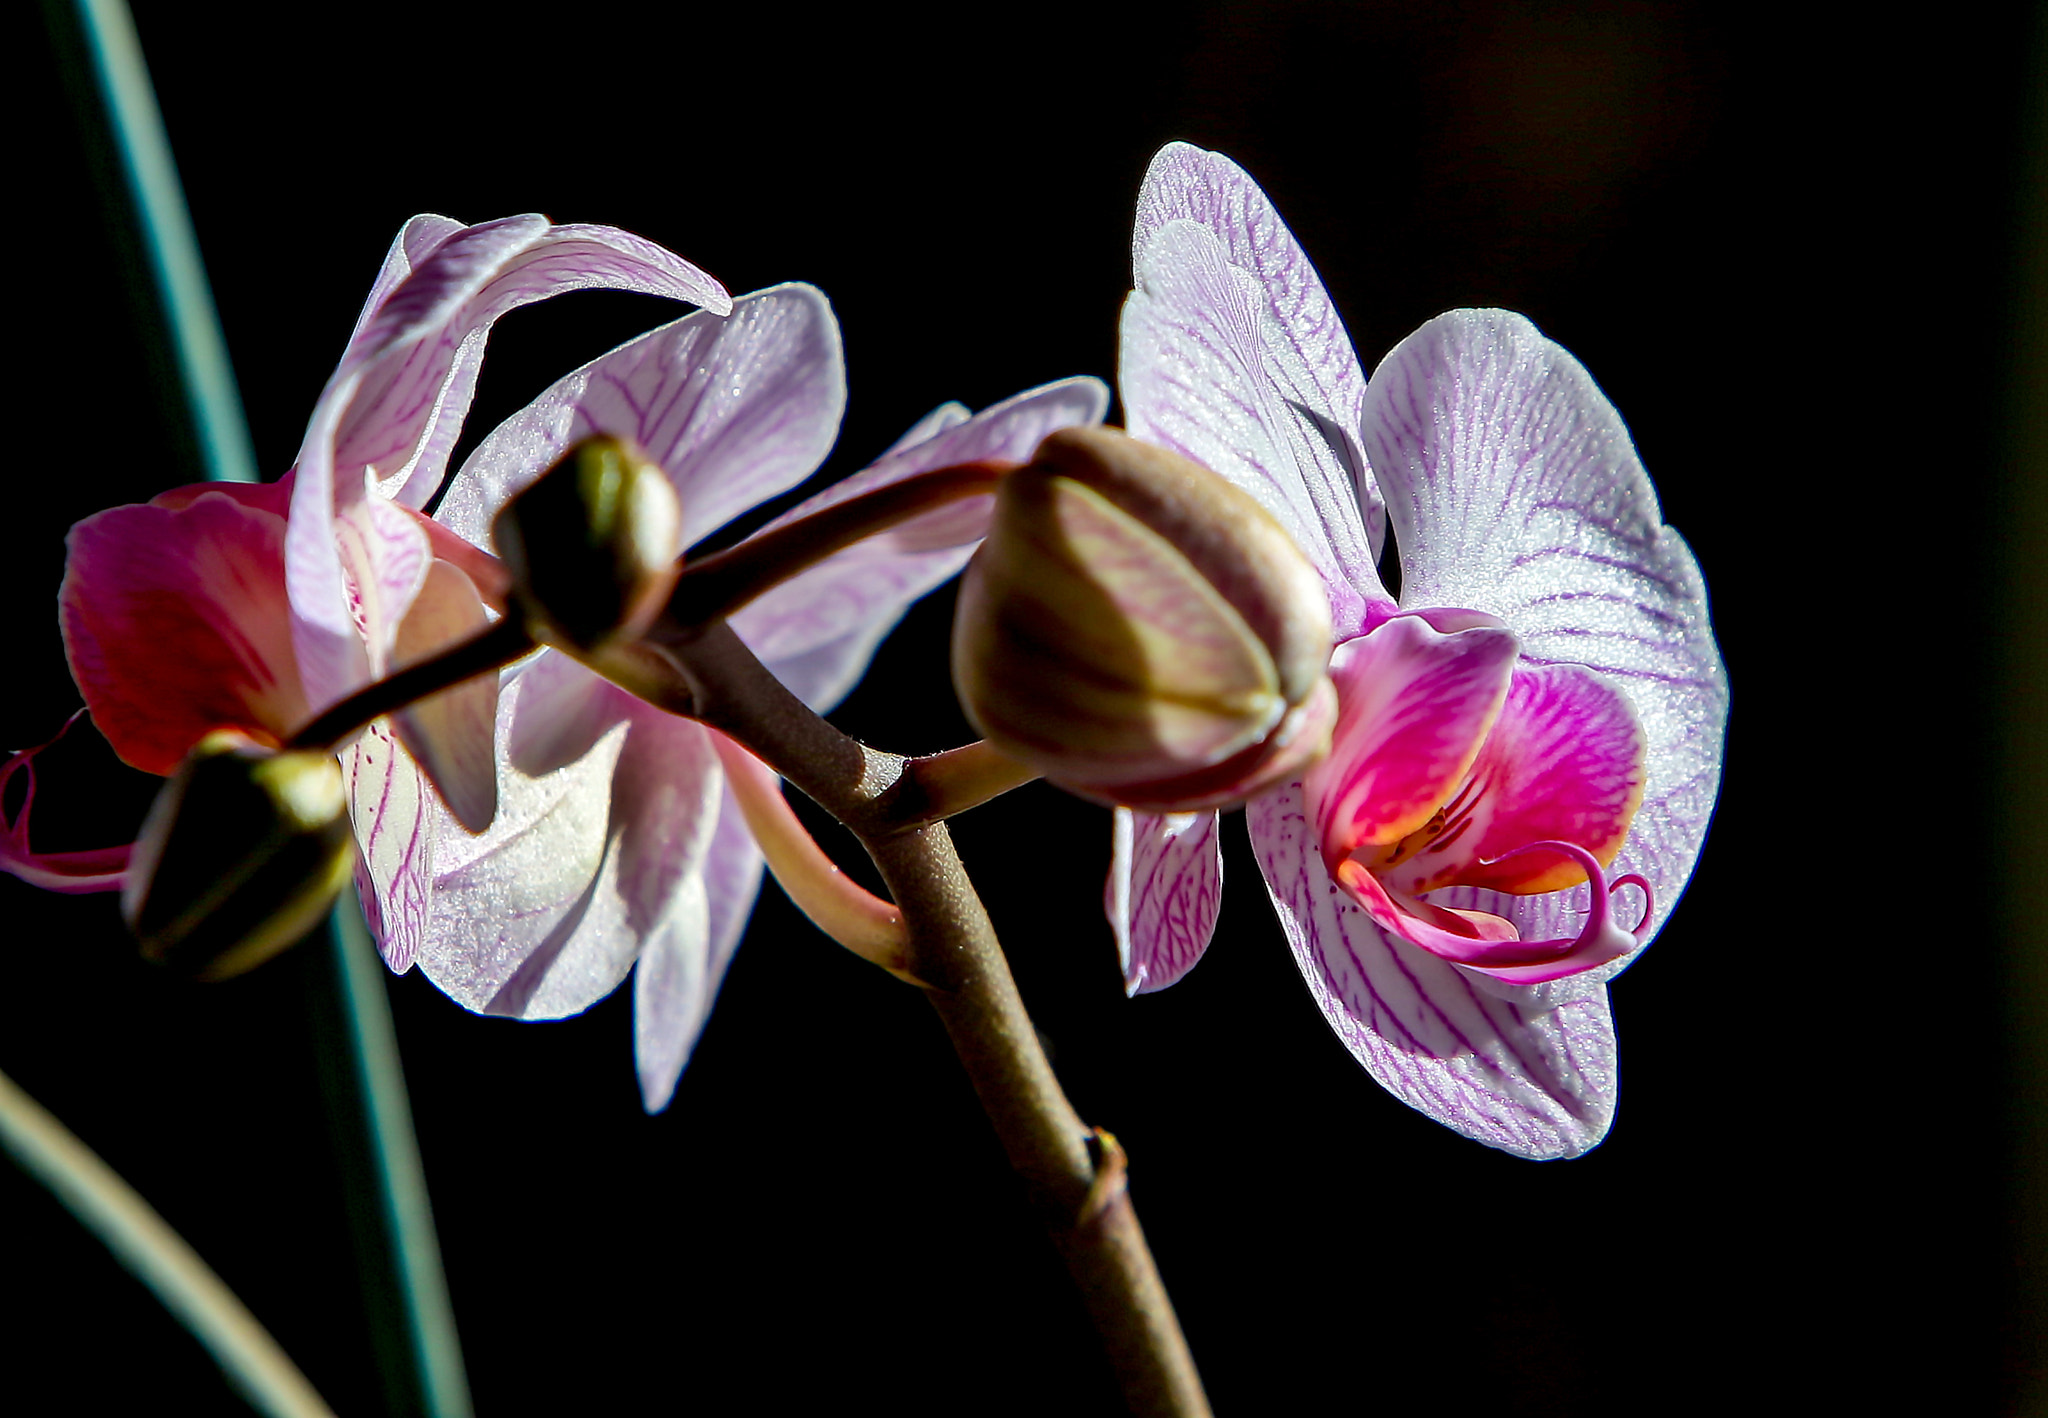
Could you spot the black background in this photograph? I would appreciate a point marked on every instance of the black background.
(1781, 245)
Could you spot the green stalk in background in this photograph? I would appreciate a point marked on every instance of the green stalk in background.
(398, 1255)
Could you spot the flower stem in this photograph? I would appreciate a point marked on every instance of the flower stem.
(1073, 1173)
(127, 116)
(489, 649)
(157, 1256)
(837, 905)
(942, 785)
(723, 582)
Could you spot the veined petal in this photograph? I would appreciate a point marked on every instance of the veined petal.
(394, 821)
(418, 353)
(678, 975)
(1164, 890)
(416, 241)
(665, 795)
(1309, 356)
(329, 650)
(528, 918)
(824, 623)
(176, 623)
(450, 732)
(1514, 489)
(564, 709)
(1414, 707)
(1563, 762)
(385, 555)
(1195, 378)
(1529, 1069)
(735, 410)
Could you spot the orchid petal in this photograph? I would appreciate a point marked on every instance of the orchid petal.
(1164, 891)
(393, 407)
(734, 410)
(385, 555)
(1414, 707)
(419, 352)
(1564, 762)
(665, 796)
(1233, 355)
(832, 615)
(930, 426)
(1529, 1069)
(392, 813)
(675, 982)
(175, 623)
(1309, 356)
(450, 732)
(329, 650)
(528, 918)
(564, 709)
(1514, 489)
(416, 241)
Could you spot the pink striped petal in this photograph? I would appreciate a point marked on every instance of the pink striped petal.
(1165, 888)
(1515, 490)
(1529, 1069)
(416, 241)
(1233, 347)
(1194, 374)
(1563, 761)
(1414, 706)
(175, 623)
(418, 353)
(822, 626)
(735, 410)
(392, 409)
(393, 817)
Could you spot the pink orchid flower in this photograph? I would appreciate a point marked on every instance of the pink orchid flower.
(254, 606)
(617, 845)
(570, 830)
(1533, 724)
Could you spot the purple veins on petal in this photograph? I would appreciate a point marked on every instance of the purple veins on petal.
(1163, 894)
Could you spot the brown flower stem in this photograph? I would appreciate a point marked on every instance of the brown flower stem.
(721, 583)
(487, 651)
(941, 785)
(1074, 1174)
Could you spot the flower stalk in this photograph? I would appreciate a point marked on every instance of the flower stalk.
(1073, 1174)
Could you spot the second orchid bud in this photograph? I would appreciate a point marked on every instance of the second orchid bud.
(1142, 632)
(592, 545)
(243, 852)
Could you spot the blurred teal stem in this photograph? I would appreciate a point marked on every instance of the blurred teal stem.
(408, 1286)
(156, 1255)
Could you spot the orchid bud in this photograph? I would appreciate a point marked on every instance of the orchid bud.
(243, 851)
(1142, 632)
(592, 546)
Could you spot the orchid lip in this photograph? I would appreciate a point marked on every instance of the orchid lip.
(1530, 959)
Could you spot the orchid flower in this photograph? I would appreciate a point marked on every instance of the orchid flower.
(1533, 724)
(254, 606)
(618, 845)
(571, 830)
